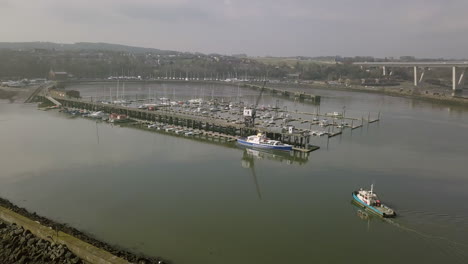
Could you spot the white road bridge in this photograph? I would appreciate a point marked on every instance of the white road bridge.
(419, 68)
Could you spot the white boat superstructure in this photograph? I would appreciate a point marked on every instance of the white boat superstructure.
(195, 101)
(368, 197)
(261, 141)
(98, 114)
(121, 102)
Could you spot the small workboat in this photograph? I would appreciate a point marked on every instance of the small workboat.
(261, 141)
(369, 200)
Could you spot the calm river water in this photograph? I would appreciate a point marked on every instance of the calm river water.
(194, 202)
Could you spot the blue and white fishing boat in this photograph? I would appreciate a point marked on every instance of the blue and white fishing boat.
(369, 200)
(262, 142)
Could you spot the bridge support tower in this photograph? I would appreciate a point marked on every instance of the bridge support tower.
(458, 79)
(418, 78)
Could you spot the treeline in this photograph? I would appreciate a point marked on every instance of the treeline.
(15, 64)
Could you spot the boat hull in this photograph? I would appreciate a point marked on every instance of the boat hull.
(371, 208)
(263, 146)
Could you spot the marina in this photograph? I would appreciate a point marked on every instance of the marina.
(216, 116)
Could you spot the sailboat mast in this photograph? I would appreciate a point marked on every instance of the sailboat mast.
(117, 90)
(123, 92)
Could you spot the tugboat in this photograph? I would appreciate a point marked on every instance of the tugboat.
(261, 141)
(369, 200)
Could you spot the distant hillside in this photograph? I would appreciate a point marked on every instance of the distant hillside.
(86, 60)
(81, 46)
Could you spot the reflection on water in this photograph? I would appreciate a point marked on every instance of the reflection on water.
(249, 156)
(363, 213)
(286, 157)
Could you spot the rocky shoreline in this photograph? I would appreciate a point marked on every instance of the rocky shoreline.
(20, 246)
(21, 235)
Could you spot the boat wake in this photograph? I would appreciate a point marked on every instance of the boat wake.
(422, 234)
(437, 217)
(444, 244)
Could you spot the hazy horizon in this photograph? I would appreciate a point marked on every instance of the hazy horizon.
(425, 29)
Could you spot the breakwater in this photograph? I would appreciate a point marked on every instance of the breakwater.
(19, 245)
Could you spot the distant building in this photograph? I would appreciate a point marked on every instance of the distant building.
(64, 93)
(58, 76)
(242, 55)
(293, 76)
(407, 58)
(378, 82)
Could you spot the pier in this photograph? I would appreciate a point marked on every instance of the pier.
(211, 127)
(298, 95)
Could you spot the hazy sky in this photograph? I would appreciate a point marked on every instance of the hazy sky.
(423, 28)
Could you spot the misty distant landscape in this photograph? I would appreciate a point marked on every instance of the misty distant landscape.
(101, 60)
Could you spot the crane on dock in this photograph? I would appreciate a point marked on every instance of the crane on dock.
(250, 113)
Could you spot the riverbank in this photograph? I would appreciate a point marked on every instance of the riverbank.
(408, 92)
(427, 93)
(58, 227)
(16, 94)
(18, 245)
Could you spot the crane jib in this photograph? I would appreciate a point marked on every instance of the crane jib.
(258, 99)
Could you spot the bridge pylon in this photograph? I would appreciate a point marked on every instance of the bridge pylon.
(458, 79)
(418, 78)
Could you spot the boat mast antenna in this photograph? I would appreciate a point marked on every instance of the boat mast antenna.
(117, 96)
